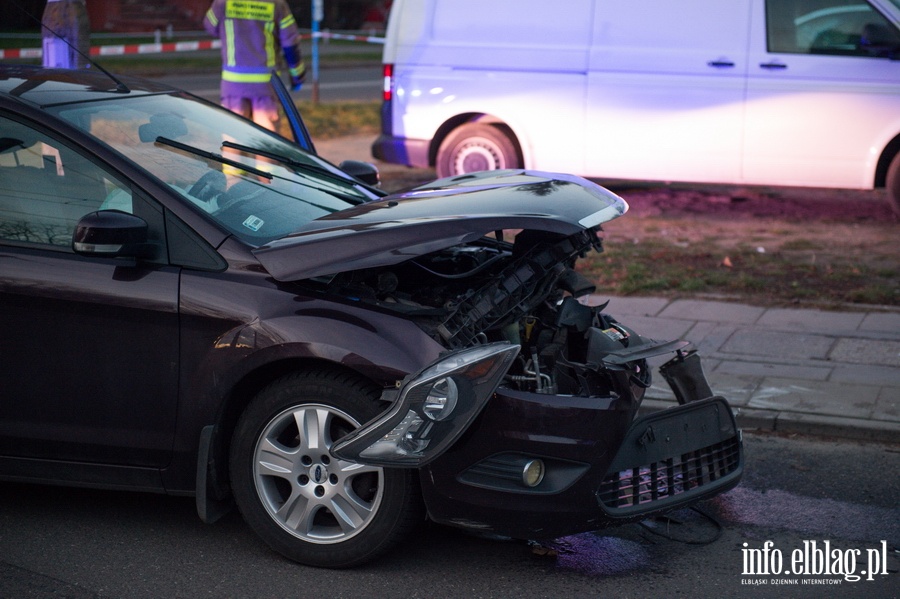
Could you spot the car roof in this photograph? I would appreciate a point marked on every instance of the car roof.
(43, 87)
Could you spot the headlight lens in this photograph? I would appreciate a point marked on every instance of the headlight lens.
(441, 400)
(433, 408)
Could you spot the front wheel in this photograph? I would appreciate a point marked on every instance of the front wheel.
(893, 184)
(307, 505)
(476, 147)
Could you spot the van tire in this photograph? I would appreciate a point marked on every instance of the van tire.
(476, 147)
(893, 184)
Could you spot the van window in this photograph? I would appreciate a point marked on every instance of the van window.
(835, 27)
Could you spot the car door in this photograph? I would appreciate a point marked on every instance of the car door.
(666, 88)
(823, 95)
(89, 345)
(295, 120)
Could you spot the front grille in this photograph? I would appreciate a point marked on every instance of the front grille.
(643, 488)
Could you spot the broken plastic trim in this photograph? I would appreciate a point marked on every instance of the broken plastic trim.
(685, 376)
(432, 409)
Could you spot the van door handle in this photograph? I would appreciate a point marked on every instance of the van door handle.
(772, 65)
(722, 63)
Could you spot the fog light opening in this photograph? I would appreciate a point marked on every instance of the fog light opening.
(533, 473)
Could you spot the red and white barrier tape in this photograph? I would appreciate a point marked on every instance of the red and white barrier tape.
(124, 49)
(353, 38)
(174, 46)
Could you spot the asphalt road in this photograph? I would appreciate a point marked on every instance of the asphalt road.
(335, 84)
(57, 542)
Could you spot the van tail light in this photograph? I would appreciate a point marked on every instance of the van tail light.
(388, 82)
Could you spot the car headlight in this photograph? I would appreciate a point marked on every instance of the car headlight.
(431, 410)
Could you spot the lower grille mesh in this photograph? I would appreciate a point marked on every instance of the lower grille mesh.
(669, 478)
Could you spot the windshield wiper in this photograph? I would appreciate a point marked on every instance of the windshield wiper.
(289, 162)
(212, 156)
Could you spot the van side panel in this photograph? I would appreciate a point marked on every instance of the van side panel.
(514, 35)
(665, 89)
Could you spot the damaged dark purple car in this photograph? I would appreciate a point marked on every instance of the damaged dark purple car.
(196, 306)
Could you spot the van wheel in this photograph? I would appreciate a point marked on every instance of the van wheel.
(307, 505)
(475, 147)
(893, 184)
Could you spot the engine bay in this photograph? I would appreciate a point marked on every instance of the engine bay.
(526, 292)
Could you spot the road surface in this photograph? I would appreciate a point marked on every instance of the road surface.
(798, 494)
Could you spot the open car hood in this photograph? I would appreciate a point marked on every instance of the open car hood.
(441, 214)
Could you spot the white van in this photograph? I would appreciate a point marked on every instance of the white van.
(768, 92)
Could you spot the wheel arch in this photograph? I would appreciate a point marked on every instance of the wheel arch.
(375, 349)
(472, 117)
(236, 401)
(348, 515)
(884, 161)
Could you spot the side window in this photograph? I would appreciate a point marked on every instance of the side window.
(46, 187)
(834, 27)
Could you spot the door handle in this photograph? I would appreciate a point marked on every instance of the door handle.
(721, 63)
(772, 66)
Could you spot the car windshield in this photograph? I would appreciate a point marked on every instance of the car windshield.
(255, 184)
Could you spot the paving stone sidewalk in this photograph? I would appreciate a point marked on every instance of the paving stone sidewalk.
(787, 370)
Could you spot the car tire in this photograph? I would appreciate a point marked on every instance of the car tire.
(476, 147)
(308, 506)
(893, 184)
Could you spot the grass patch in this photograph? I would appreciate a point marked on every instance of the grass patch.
(336, 119)
(156, 65)
(800, 245)
(657, 267)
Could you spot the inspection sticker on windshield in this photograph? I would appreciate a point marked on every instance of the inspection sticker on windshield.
(254, 223)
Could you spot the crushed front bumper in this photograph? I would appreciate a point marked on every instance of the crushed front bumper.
(672, 457)
(603, 467)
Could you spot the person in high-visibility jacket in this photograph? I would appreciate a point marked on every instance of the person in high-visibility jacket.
(252, 32)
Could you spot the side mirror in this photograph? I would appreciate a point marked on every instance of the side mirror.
(364, 171)
(112, 234)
